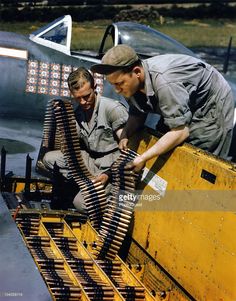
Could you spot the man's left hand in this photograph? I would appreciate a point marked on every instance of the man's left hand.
(103, 178)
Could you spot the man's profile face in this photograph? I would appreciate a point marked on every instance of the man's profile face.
(84, 96)
(126, 84)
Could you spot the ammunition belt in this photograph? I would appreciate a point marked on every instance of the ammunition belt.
(118, 214)
(50, 134)
(110, 216)
(93, 193)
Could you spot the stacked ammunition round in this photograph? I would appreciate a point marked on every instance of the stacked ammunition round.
(68, 247)
(84, 270)
(114, 271)
(61, 286)
(132, 292)
(40, 248)
(52, 269)
(111, 268)
(67, 268)
(55, 229)
(29, 225)
(95, 288)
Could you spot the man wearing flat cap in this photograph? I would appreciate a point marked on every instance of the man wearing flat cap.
(192, 97)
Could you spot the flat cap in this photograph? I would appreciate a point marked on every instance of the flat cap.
(116, 58)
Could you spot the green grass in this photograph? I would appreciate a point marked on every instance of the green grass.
(19, 27)
(195, 33)
(198, 33)
(88, 35)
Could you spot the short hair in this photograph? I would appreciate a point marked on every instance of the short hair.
(79, 77)
(129, 68)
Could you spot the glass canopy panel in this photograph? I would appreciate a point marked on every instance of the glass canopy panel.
(148, 41)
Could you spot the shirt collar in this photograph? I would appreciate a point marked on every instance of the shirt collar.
(148, 82)
(94, 118)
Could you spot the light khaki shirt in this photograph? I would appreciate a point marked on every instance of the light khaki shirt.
(98, 137)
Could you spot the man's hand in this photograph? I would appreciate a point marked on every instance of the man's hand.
(136, 165)
(103, 178)
(123, 144)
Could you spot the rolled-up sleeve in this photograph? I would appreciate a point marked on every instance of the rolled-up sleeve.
(118, 117)
(173, 103)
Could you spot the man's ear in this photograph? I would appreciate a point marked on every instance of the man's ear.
(137, 70)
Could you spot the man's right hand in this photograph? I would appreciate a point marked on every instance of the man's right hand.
(123, 144)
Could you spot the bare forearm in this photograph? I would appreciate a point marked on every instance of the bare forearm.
(167, 142)
(163, 145)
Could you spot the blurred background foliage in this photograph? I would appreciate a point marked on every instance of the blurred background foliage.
(10, 10)
(194, 25)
